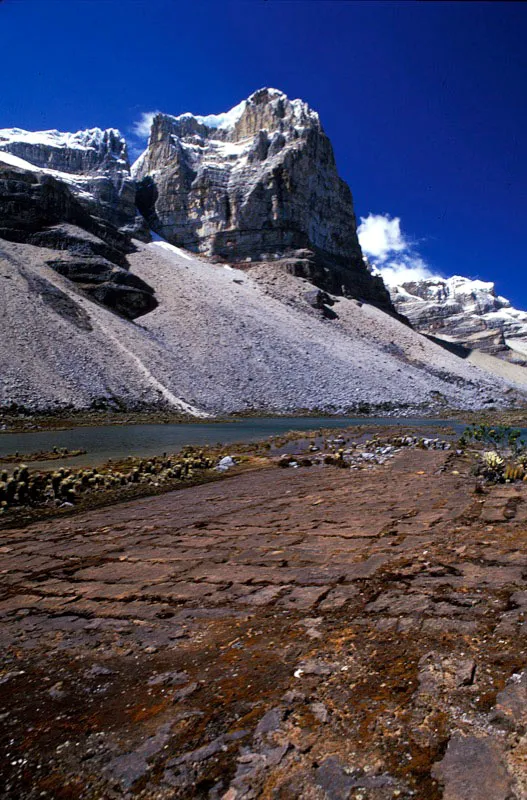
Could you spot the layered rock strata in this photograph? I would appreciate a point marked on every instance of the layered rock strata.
(93, 163)
(466, 312)
(258, 183)
(39, 208)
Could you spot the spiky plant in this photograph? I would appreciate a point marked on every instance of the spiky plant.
(23, 472)
(514, 472)
(11, 488)
(22, 492)
(492, 460)
(492, 466)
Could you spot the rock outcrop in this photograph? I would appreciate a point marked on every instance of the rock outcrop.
(466, 312)
(39, 208)
(93, 163)
(258, 183)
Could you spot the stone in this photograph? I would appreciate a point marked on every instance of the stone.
(57, 691)
(208, 750)
(303, 597)
(109, 284)
(320, 712)
(168, 679)
(274, 755)
(99, 671)
(128, 768)
(473, 769)
(185, 692)
(337, 780)
(225, 463)
(263, 597)
(313, 667)
(270, 722)
(321, 301)
(511, 703)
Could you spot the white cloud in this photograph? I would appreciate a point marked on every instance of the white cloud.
(394, 273)
(389, 251)
(380, 234)
(141, 128)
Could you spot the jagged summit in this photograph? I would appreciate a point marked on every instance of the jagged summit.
(258, 183)
(244, 119)
(224, 121)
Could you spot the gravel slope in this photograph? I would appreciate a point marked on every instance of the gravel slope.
(221, 340)
(59, 348)
(250, 340)
(515, 374)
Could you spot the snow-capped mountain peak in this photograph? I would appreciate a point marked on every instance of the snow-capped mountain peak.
(273, 102)
(93, 163)
(224, 121)
(463, 310)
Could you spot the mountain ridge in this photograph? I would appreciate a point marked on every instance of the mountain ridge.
(284, 316)
(464, 311)
(258, 183)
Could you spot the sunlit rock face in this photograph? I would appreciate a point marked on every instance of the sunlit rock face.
(72, 193)
(258, 183)
(93, 163)
(464, 311)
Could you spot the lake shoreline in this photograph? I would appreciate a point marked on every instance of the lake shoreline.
(262, 453)
(104, 443)
(68, 419)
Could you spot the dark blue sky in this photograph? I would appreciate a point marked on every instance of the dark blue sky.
(425, 103)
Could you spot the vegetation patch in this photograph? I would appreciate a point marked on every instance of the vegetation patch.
(500, 452)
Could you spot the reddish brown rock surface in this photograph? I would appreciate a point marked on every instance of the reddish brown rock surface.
(313, 633)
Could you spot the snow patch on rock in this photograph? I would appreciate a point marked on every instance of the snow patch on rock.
(91, 138)
(172, 248)
(463, 310)
(224, 121)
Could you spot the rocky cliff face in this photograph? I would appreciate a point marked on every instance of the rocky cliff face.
(258, 183)
(468, 312)
(257, 187)
(50, 208)
(94, 163)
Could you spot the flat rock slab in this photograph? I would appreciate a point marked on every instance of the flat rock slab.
(332, 634)
(474, 769)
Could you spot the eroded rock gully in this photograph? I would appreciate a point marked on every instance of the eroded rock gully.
(312, 633)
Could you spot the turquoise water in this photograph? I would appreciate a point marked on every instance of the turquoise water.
(119, 441)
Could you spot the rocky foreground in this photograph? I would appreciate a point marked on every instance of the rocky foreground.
(312, 632)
